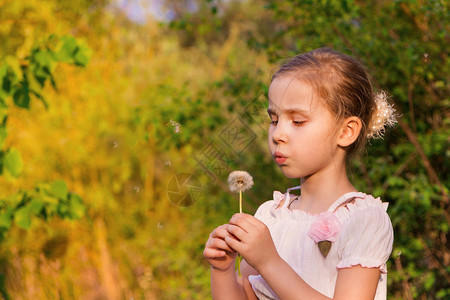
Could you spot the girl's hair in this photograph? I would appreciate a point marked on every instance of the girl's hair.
(343, 83)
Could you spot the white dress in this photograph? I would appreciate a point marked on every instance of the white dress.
(365, 239)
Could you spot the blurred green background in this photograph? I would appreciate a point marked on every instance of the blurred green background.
(120, 121)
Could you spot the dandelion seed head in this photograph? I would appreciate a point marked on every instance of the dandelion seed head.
(240, 181)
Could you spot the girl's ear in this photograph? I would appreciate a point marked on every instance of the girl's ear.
(350, 130)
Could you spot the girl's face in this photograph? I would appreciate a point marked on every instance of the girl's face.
(302, 138)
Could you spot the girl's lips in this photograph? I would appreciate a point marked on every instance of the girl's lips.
(279, 157)
(280, 160)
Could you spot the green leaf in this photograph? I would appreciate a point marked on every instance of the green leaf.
(41, 74)
(3, 134)
(22, 97)
(48, 199)
(77, 207)
(44, 59)
(4, 88)
(35, 206)
(33, 83)
(67, 50)
(59, 189)
(50, 210)
(22, 217)
(82, 55)
(13, 162)
(3, 70)
(63, 209)
(14, 67)
(3, 112)
(5, 217)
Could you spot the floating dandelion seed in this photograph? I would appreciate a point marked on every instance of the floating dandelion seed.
(176, 126)
(239, 181)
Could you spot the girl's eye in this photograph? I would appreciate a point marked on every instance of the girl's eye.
(298, 123)
(274, 122)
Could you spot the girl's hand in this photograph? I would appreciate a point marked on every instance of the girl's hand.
(219, 255)
(251, 238)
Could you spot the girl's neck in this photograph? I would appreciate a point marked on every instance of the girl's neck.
(319, 193)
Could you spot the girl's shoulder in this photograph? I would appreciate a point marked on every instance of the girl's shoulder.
(267, 207)
(355, 204)
(364, 216)
(347, 207)
(366, 235)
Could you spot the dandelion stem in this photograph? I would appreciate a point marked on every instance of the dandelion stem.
(240, 210)
(240, 201)
(239, 265)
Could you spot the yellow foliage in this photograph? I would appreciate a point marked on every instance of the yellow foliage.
(98, 135)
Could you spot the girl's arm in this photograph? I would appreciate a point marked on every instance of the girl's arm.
(246, 271)
(356, 283)
(224, 285)
(229, 285)
(255, 244)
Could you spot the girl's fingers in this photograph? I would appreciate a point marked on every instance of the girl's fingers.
(252, 220)
(234, 244)
(246, 222)
(219, 244)
(220, 232)
(237, 231)
(213, 253)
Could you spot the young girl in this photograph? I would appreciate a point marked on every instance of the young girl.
(332, 241)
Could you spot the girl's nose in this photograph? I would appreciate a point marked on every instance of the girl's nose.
(279, 134)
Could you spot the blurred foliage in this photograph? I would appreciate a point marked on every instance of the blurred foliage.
(20, 81)
(185, 99)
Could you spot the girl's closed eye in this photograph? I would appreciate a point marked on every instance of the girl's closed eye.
(273, 121)
(298, 123)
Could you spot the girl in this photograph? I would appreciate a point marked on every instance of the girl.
(332, 241)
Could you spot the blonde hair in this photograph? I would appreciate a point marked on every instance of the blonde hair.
(343, 83)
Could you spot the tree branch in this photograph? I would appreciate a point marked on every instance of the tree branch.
(426, 162)
(406, 285)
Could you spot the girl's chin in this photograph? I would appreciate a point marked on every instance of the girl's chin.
(288, 173)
